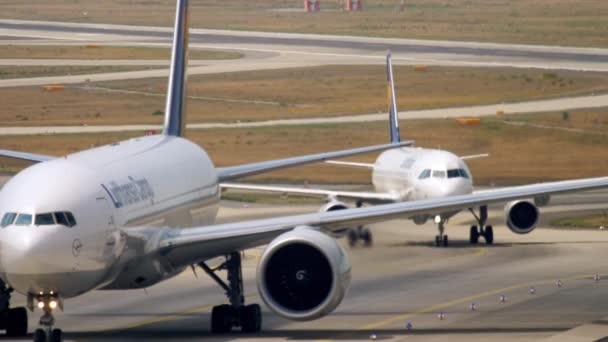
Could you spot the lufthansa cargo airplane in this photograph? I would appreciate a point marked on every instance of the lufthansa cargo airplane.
(134, 213)
(411, 174)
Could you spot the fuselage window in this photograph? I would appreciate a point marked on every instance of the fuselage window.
(454, 173)
(24, 220)
(8, 219)
(71, 219)
(438, 174)
(464, 173)
(45, 219)
(425, 174)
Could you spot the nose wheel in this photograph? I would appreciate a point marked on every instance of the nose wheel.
(442, 238)
(47, 331)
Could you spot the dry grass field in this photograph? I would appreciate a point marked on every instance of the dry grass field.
(550, 22)
(9, 72)
(518, 154)
(97, 52)
(291, 93)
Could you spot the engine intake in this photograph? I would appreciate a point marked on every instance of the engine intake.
(303, 274)
(521, 216)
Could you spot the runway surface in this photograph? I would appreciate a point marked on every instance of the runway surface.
(401, 279)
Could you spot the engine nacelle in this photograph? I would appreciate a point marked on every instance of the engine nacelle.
(521, 216)
(420, 219)
(333, 206)
(303, 274)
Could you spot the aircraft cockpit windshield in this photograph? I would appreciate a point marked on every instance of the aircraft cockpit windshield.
(62, 218)
(441, 174)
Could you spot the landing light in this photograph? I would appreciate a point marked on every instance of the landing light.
(438, 219)
(40, 305)
(53, 304)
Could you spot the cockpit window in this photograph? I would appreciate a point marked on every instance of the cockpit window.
(45, 219)
(438, 174)
(8, 219)
(24, 220)
(464, 173)
(453, 173)
(65, 219)
(71, 219)
(425, 174)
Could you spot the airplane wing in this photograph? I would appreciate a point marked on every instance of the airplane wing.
(182, 247)
(240, 171)
(475, 156)
(25, 156)
(353, 164)
(374, 196)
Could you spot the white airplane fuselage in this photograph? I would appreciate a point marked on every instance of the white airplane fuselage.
(156, 180)
(401, 172)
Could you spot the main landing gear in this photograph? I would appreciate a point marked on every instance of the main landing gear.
(47, 332)
(236, 314)
(484, 230)
(360, 234)
(13, 321)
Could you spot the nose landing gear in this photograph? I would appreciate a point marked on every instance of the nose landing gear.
(47, 332)
(442, 238)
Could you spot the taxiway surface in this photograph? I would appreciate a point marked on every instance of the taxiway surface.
(401, 279)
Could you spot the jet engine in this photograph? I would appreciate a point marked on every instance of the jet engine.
(333, 206)
(521, 216)
(303, 274)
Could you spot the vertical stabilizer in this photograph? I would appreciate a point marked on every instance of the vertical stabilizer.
(175, 110)
(392, 103)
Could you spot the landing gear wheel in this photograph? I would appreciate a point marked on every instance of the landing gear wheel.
(56, 336)
(39, 335)
(221, 319)
(353, 237)
(17, 322)
(251, 318)
(437, 240)
(366, 236)
(445, 241)
(474, 235)
(488, 234)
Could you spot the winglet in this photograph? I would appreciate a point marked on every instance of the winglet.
(392, 111)
(175, 110)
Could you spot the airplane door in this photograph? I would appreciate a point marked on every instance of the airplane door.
(110, 241)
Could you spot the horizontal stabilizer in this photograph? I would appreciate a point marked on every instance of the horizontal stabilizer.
(475, 156)
(32, 157)
(352, 164)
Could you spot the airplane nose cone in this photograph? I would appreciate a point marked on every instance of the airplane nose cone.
(453, 187)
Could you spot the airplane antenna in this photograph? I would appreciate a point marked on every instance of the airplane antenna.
(175, 110)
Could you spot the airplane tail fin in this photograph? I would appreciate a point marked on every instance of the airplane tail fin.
(175, 110)
(392, 103)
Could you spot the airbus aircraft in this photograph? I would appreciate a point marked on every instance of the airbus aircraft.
(412, 174)
(134, 213)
